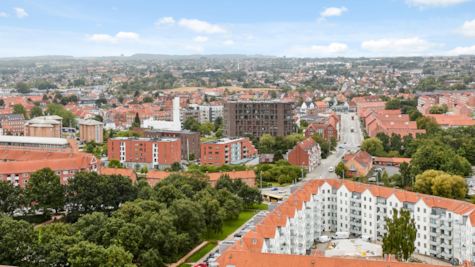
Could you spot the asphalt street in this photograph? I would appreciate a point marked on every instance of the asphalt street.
(348, 141)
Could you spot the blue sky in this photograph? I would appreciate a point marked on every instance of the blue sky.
(290, 28)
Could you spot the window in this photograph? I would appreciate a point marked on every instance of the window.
(65, 178)
(65, 172)
(25, 175)
(58, 173)
(72, 171)
(25, 181)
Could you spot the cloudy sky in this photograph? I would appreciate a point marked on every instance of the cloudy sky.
(291, 28)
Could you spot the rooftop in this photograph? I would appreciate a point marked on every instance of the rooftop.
(33, 140)
(178, 132)
(225, 140)
(163, 139)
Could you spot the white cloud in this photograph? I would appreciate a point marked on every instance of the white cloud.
(20, 12)
(201, 26)
(462, 51)
(332, 49)
(102, 38)
(398, 46)
(467, 29)
(168, 21)
(434, 3)
(106, 38)
(193, 47)
(228, 42)
(99, 25)
(3, 14)
(249, 37)
(128, 35)
(200, 39)
(331, 12)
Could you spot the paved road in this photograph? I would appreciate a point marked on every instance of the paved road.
(352, 139)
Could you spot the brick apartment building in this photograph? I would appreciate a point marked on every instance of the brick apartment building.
(462, 109)
(45, 144)
(447, 100)
(363, 107)
(227, 151)
(328, 129)
(129, 173)
(305, 154)
(135, 152)
(186, 113)
(17, 165)
(190, 141)
(248, 177)
(13, 123)
(44, 126)
(258, 118)
(91, 130)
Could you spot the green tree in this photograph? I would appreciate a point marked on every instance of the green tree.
(89, 191)
(148, 99)
(396, 143)
(19, 109)
(218, 122)
(88, 254)
(189, 122)
(401, 234)
(250, 195)
(11, 197)
(385, 179)
(98, 118)
(136, 122)
(405, 171)
(373, 146)
(188, 219)
(114, 163)
(204, 129)
(44, 190)
(17, 238)
(120, 99)
(384, 140)
(393, 104)
(22, 88)
(415, 115)
(282, 179)
(214, 215)
(36, 112)
(219, 133)
(441, 184)
(69, 118)
(437, 110)
(175, 166)
(340, 169)
(2, 102)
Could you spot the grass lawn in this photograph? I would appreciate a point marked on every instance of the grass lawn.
(201, 253)
(230, 226)
(204, 139)
(185, 265)
(262, 206)
(276, 184)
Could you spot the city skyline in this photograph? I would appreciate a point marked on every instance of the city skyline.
(299, 29)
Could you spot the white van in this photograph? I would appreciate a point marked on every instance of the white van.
(341, 235)
(324, 239)
(365, 238)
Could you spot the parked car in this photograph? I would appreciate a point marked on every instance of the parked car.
(274, 189)
(201, 265)
(341, 235)
(365, 238)
(379, 169)
(340, 147)
(324, 239)
(374, 174)
(282, 191)
(344, 142)
(372, 179)
(330, 169)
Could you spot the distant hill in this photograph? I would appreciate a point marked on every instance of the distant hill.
(137, 57)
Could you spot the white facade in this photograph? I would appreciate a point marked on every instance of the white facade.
(174, 125)
(445, 227)
(210, 113)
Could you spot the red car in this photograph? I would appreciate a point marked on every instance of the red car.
(201, 265)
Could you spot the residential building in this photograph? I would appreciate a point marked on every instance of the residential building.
(425, 102)
(390, 161)
(174, 125)
(462, 109)
(306, 153)
(12, 123)
(46, 144)
(134, 152)
(363, 107)
(190, 141)
(91, 130)
(186, 113)
(444, 226)
(258, 118)
(227, 151)
(210, 112)
(248, 177)
(449, 83)
(44, 126)
(15, 170)
(359, 164)
(129, 173)
(266, 158)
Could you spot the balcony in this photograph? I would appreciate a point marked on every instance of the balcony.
(446, 227)
(226, 148)
(357, 200)
(334, 218)
(382, 222)
(445, 245)
(381, 205)
(355, 231)
(226, 154)
(382, 230)
(244, 149)
(447, 219)
(355, 208)
(282, 238)
(448, 237)
(357, 216)
(434, 234)
(434, 216)
(355, 223)
(333, 202)
(435, 225)
(381, 213)
(434, 242)
(433, 251)
(446, 255)
(380, 239)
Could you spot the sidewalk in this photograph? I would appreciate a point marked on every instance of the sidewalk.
(49, 221)
(182, 260)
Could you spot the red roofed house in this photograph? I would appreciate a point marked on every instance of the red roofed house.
(462, 109)
(129, 173)
(359, 164)
(306, 154)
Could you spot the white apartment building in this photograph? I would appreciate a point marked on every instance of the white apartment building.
(210, 112)
(445, 227)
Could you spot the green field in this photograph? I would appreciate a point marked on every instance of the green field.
(185, 265)
(261, 206)
(230, 226)
(201, 253)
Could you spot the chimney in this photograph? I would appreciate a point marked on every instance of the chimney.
(417, 195)
(439, 199)
(254, 240)
(254, 229)
(240, 242)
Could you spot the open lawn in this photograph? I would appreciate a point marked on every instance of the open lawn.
(230, 226)
(185, 265)
(261, 206)
(276, 184)
(201, 253)
(206, 139)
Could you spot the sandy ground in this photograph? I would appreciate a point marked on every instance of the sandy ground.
(189, 89)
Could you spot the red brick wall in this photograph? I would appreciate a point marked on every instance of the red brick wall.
(219, 151)
(168, 152)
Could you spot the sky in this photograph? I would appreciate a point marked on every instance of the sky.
(379, 28)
